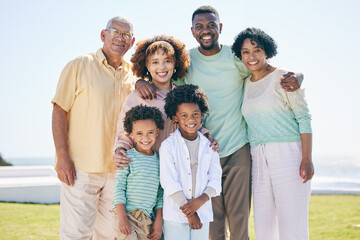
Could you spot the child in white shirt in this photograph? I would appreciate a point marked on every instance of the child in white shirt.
(190, 172)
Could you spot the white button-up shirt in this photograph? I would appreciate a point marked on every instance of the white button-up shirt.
(175, 175)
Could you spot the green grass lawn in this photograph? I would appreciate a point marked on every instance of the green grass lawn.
(331, 217)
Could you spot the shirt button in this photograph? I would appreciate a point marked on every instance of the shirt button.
(189, 173)
(190, 190)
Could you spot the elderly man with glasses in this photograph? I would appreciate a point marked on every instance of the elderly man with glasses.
(88, 99)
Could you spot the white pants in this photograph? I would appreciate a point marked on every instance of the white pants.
(85, 207)
(279, 194)
(182, 231)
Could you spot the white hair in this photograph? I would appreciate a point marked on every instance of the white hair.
(123, 20)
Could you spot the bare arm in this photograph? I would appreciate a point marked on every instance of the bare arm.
(64, 167)
(124, 224)
(306, 167)
(145, 89)
(156, 229)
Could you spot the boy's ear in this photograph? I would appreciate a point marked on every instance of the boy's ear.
(174, 118)
(157, 131)
(131, 135)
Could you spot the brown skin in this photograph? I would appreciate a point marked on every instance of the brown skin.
(190, 208)
(114, 49)
(156, 229)
(194, 221)
(306, 170)
(124, 223)
(64, 167)
(194, 204)
(206, 25)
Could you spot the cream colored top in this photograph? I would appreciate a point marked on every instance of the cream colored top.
(92, 92)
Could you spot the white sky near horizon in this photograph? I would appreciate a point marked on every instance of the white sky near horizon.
(318, 38)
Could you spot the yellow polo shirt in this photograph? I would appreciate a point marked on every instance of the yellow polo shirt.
(92, 92)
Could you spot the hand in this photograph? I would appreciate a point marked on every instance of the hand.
(306, 170)
(124, 224)
(145, 89)
(214, 144)
(194, 204)
(156, 230)
(120, 160)
(66, 170)
(290, 82)
(194, 221)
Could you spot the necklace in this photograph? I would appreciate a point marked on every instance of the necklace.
(267, 71)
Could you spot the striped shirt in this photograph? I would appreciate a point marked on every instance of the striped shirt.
(138, 186)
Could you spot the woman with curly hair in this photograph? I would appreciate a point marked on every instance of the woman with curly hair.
(158, 60)
(280, 134)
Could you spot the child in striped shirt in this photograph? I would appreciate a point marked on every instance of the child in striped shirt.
(138, 196)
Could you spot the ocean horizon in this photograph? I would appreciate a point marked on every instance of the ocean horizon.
(332, 174)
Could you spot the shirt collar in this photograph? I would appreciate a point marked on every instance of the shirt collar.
(102, 60)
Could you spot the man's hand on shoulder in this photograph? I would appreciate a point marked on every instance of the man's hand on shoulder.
(291, 81)
(145, 89)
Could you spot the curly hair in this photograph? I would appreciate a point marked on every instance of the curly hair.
(205, 9)
(142, 112)
(177, 52)
(185, 94)
(263, 41)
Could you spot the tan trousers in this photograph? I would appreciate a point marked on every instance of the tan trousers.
(85, 207)
(140, 226)
(233, 203)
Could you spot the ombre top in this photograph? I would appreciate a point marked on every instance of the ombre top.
(273, 115)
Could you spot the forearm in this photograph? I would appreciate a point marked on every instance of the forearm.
(60, 131)
(203, 198)
(158, 215)
(121, 211)
(306, 143)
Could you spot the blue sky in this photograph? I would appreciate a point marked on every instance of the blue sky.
(319, 38)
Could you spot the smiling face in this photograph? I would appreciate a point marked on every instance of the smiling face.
(206, 30)
(116, 47)
(144, 133)
(161, 68)
(188, 116)
(253, 56)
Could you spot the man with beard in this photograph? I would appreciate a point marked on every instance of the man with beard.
(220, 74)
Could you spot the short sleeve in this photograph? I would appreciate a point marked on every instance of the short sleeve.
(67, 87)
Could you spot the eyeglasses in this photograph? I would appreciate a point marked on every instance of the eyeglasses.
(115, 33)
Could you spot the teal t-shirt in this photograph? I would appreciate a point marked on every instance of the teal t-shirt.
(221, 76)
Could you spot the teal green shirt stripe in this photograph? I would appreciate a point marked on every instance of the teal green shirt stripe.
(138, 186)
